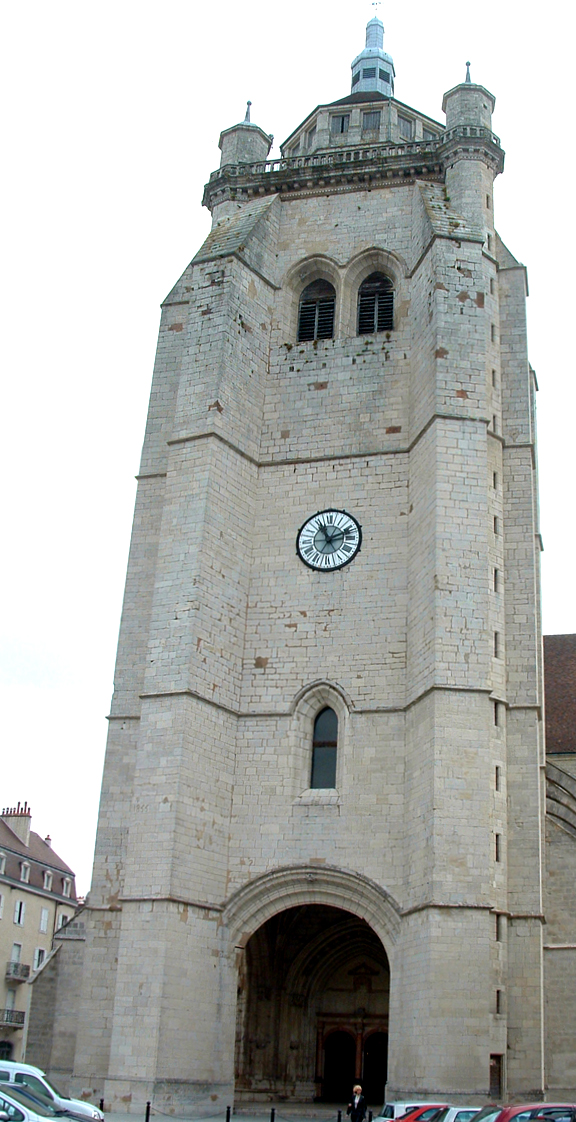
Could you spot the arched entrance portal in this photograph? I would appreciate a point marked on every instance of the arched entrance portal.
(312, 1015)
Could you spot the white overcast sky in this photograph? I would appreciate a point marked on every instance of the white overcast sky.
(111, 118)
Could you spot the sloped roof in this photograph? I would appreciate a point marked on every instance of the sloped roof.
(560, 692)
(444, 221)
(40, 857)
(230, 234)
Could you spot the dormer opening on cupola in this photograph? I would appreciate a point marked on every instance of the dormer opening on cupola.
(373, 69)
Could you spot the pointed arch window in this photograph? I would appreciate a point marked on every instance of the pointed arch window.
(375, 304)
(324, 749)
(316, 313)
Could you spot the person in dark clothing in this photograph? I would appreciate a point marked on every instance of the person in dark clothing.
(357, 1107)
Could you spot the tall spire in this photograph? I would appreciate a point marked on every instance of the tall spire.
(373, 69)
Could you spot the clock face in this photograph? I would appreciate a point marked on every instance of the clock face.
(329, 540)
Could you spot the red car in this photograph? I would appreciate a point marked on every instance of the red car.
(544, 1112)
(423, 1113)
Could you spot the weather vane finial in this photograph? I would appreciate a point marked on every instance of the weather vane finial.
(468, 78)
(247, 117)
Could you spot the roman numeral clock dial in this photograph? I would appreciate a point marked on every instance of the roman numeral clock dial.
(329, 540)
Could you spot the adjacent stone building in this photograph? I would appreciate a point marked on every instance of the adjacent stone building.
(319, 852)
(37, 897)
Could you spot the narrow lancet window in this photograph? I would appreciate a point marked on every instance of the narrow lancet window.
(316, 315)
(324, 749)
(375, 304)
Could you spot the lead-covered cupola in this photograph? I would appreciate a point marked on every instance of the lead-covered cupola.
(373, 69)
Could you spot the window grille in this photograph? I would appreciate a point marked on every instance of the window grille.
(375, 305)
(355, 78)
(384, 76)
(324, 749)
(316, 315)
(369, 72)
(339, 125)
(371, 121)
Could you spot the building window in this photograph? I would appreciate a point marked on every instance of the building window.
(427, 135)
(24, 872)
(16, 952)
(339, 125)
(47, 880)
(496, 580)
(66, 886)
(405, 128)
(356, 78)
(39, 956)
(62, 919)
(19, 912)
(369, 72)
(1, 904)
(316, 314)
(371, 121)
(2, 863)
(384, 76)
(498, 847)
(499, 929)
(310, 136)
(496, 524)
(43, 921)
(324, 749)
(497, 644)
(497, 774)
(375, 304)
(295, 150)
(496, 1077)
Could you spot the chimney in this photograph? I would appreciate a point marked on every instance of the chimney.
(48, 840)
(18, 818)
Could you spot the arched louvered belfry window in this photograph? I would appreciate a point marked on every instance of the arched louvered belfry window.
(324, 749)
(375, 304)
(316, 313)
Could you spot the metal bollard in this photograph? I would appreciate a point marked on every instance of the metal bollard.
(102, 1104)
(339, 1116)
(272, 1114)
(147, 1118)
(228, 1111)
(369, 1116)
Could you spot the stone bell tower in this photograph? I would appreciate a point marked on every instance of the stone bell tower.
(318, 853)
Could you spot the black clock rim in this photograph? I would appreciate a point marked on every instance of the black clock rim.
(342, 565)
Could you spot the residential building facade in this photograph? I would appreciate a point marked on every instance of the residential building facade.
(37, 897)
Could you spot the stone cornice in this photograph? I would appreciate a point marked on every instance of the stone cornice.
(345, 169)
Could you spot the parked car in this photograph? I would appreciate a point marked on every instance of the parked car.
(552, 1112)
(458, 1114)
(36, 1080)
(16, 1107)
(397, 1110)
(30, 1097)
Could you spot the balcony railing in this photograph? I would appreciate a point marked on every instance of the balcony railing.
(17, 971)
(12, 1018)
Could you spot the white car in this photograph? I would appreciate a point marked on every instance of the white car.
(17, 1108)
(396, 1110)
(458, 1114)
(29, 1076)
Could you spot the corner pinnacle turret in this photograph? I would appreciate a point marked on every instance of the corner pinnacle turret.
(373, 69)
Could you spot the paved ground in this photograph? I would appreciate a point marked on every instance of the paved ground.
(247, 1112)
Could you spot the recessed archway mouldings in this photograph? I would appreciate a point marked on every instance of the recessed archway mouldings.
(292, 886)
(346, 277)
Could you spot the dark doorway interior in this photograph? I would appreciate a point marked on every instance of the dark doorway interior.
(339, 1064)
(375, 1067)
(312, 1012)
